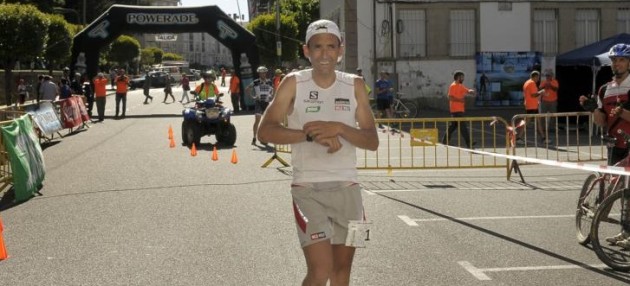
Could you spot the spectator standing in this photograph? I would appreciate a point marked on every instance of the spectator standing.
(100, 95)
(185, 83)
(168, 89)
(146, 88)
(223, 74)
(367, 87)
(384, 96)
(88, 92)
(48, 90)
(484, 81)
(112, 77)
(122, 84)
(457, 92)
(261, 90)
(277, 78)
(65, 91)
(549, 103)
(235, 91)
(40, 80)
(22, 92)
(531, 96)
(325, 191)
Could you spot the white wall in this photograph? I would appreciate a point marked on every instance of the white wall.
(505, 31)
(365, 39)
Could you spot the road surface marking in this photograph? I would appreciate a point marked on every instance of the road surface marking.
(414, 221)
(480, 274)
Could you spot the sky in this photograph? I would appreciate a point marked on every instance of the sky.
(228, 6)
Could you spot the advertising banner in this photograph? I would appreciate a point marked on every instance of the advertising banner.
(501, 75)
(73, 112)
(26, 157)
(45, 117)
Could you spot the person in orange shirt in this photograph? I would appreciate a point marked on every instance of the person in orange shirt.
(100, 94)
(531, 96)
(122, 84)
(235, 91)
(277, 78)
(549, 101)
(457, 92)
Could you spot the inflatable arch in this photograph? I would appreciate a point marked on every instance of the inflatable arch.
(164, 19)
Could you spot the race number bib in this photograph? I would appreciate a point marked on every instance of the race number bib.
(358, 233)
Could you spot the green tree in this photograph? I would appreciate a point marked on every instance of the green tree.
(304, 12)
(59, 42)
(23, 37)
(147, 57)
(46, 6)
(124, 50)
(172, 57)
(157, 54)
(264, 27)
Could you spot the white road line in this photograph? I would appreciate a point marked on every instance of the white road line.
(479, 273)
(414, 222)
(518, 187)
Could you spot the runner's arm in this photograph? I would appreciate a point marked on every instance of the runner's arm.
(272, 128)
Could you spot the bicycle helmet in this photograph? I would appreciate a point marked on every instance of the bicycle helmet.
(261, 69)
(210, 73)
(619, 50)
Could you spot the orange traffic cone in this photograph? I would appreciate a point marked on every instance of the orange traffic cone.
(193, 150)
(3, 249)
(215, 155)
(172, 144)
(170, 132)
(234, 157)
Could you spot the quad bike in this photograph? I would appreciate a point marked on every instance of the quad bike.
(208, 117)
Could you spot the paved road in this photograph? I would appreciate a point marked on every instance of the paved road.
(119, 207)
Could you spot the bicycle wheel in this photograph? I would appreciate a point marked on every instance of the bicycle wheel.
(586, 207)
(607, 223)
(406, 109)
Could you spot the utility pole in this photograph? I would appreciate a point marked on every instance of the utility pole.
(278, 42)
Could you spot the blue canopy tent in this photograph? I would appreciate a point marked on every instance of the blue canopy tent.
(593, 55)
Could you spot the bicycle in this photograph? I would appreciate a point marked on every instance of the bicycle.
(406, 109)
(595, 189)
(611, 219)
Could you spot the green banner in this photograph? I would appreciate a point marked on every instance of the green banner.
(26, 157)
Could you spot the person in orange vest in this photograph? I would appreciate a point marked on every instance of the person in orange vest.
(122, 85)
(531, 95)
(277, 78)
(208, 90)
(100, 95)
(457, 92)
(549, 102)
(235, 91)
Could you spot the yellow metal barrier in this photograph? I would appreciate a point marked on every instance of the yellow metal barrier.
(416, 144)
(566, 137)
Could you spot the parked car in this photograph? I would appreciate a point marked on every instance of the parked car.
(158, 79)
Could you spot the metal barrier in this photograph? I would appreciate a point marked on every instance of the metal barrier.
(566, 137)
(6, 175)
(416, 144)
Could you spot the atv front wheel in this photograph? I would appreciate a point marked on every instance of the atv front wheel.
(191, 133)
(227, 135)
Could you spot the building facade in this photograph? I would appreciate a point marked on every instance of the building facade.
(199, 49)
(420, 43)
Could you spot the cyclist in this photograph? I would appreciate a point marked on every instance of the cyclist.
(612, 112)
(262, 94)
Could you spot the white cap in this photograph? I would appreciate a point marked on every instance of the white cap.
(321, 27)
